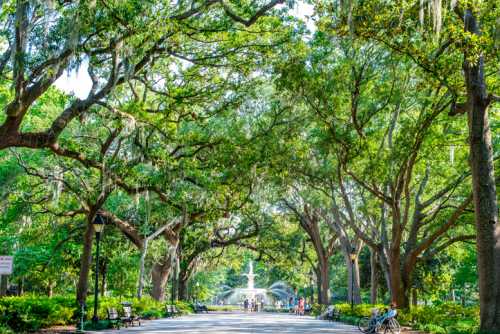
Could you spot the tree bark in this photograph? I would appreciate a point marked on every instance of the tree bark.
(142, 261)
(399, 293)
(182, 291)
(318, 282)
(324, 279)
(483, 187)
(414, 298)
(159, 278)
(353, 288)
(373, 276)
(85, 262)
(384, 265)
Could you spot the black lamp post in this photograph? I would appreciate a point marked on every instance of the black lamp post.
(353, 259)
(98, 225)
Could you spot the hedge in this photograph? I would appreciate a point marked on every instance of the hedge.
(31, 313)
(446, 318)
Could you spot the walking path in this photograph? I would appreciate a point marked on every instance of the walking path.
(239, 323)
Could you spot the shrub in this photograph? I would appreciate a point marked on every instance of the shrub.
(4, 329)
(273, 309)
(318, 309)
(139, 306)
(446, 318)
(152, 314)
(29, 313)
(184, 307)
(100, 325)
(223, 308)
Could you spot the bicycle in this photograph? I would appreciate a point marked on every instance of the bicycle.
(379, 324)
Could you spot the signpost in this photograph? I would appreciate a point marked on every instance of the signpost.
(6, 265)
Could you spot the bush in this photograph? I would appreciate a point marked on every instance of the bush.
(276, 310)
(223, 308)
(29, 313)
(318, 309)
(184, 307)
(152, 314)
(100, 325)
(139, 306)
(4, 329)
(446, 318)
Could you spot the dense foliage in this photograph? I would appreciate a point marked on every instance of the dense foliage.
(349, 154)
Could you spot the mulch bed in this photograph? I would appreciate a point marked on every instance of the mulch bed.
(58, 330)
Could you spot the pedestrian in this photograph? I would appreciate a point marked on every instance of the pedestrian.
(245, 305)
(301, 306)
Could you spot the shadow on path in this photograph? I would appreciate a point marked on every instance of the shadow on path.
(239, 323)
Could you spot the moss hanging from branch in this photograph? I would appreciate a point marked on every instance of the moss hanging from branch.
(437, 18)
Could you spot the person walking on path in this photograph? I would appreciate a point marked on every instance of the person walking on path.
(301, 306)
(245, 305)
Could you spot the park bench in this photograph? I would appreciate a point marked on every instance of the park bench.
(199, 308)
(171, 311)
(333, 314)
(129, 317)
(114, 318)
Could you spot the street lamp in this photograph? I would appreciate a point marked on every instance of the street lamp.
(353, 258)
(98, 225)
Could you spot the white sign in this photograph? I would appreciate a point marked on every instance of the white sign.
(6, 265)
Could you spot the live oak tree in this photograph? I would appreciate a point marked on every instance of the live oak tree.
(373, 138)
(324, 243)
(455, 47)
(119, 42)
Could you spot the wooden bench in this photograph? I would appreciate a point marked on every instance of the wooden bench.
(200, 308)
(129, 317)
(333, 315)
(114, 318)
(171, 311)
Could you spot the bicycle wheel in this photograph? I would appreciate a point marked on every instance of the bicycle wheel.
(364, 325)
(392, 327)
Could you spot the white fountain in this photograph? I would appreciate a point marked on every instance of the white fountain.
(250, 291)
(236, 295)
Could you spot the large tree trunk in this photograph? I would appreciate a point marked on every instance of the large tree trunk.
(398, 293)
(85, 262)
(324, 280)
(373, 276)
(159, 278)
(142, 262)
(353, 288)
(414, 298)
(182, 288)
(318, 283)
(384, 265)
(483, 187)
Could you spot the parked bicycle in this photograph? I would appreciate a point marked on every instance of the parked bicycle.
(385, 323)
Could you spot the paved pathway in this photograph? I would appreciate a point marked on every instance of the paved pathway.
(240, 323)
